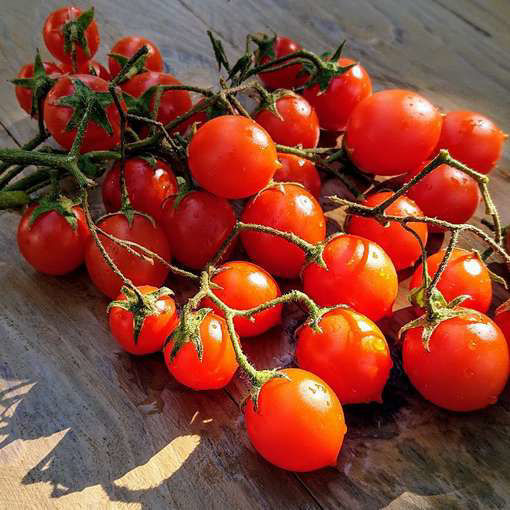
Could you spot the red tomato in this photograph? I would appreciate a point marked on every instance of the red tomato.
(197, 227)
(232, 157)
(53, 34)
(401, 246)
(465, 274)
(467, 366)
(299, 124)
(24, 94)
(50, 244)
(299, 423)
(300, 170)
(218, 364)
(243, 285)
(358, 273)
(473, 139)
(57, 116)
(128, 46)
(289, 208)
(502, 319)
(286, 78)
(392, 132)
(350, 354)
(155, 328)
(90, 67)
(147, 186)
(139, 271)
(335, 105)
(445, 181)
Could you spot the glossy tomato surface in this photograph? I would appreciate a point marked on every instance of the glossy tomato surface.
(502, 319)
(89, 67)
(127, 46)
(300, 170)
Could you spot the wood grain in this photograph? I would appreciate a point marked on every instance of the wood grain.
(83, 425)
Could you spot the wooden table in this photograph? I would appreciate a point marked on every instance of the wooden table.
(86, 426)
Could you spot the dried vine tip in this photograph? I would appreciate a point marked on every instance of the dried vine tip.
(260, 378)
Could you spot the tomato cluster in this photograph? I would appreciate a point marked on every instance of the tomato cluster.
(158, 210)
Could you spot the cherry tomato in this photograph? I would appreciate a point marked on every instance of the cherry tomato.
(197, 227)
(128, 46)
(299, 124)
(90, 67)
(218, 364)
(473, 139)
(141, 272)
(358, 273)
(392, 132)
(24, 94)
(148, 185)
(243, 285)
(299, 424)
(289, 208)
(232, 157)
(288, 77)
(467, 366)
(502, 319)
(401, 245)
(350, 354)
(50, 244)
(57, 116)
(155, 328)
(300, 170)
(465, 274)
(335, 105)
(53, 34)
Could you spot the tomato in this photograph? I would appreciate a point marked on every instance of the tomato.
(288, 77)
(24, 95)
(155, 328)
(502, 319)
(445, 181)
(335, 105)
(197, 227)
(465, 274)
(401, 245)
(90, 67)
(218, 364)
(392, 132)
(172, 103)
(300, 170)
(50, 244)
(243, 285)
(53, 34)
(467, 366)
(289, 208)
(57, 116)
(473, 139)
(232, 157)
(141, 272)
(358, 273)
(299, 424)
(127, 46)
(148, 185)
(299, 124)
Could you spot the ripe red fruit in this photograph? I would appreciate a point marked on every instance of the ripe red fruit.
(90, 67)
(127, 46)
(300, 170)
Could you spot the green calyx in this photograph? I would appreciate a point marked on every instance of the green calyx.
(265, 45)
(269, 100)
(74, 32)
(137, 67)
(60, 204)
(261, 378)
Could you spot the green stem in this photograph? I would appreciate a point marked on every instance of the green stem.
(13, 199)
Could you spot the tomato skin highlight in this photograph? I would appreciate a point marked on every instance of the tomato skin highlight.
(467, 366)
(465, 274)
(300, 170)
(244, 285)
(147, 187)
(400, 245)
(218, 364)
(389, 123)
(358, 273)
(335, 105)
(127, 46)
(471, 138)
(232, 156)
(299, 124)
(50, 245)
(350, 354)
(53, 35)
(139, 271)
(155, 328)
(299, 424)
(289, 208)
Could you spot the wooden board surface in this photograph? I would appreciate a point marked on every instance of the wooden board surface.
(83, 425)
